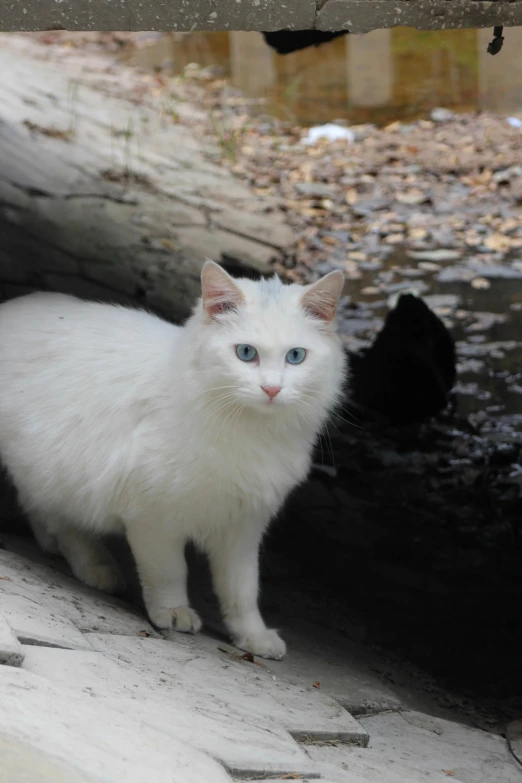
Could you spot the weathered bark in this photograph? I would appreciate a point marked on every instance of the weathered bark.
(91, 207)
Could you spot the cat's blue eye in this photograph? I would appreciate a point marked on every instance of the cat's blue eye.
(296, 355)
(245, 352)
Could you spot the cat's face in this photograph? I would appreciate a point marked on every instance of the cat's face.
(269, 346)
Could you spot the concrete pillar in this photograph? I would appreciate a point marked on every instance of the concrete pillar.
(370, 71)
(251, 63)
(500, 77)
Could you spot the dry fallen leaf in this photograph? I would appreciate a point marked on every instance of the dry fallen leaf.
(291, 776)
(394, 239)
(248, 657)
(413, 196)
(144, 634)
(480, 283)
(449, 772)
(316, 685)
(417, 234)
(351, 197)
(497, 242)
(6, 578)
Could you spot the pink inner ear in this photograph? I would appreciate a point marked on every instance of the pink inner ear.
(321, 299)
(320, 305)
(218, 306)
(221, 297)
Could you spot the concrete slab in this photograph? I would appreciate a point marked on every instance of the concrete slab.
(173, 698)
(11, 652)
(254, 15)
(436, 746)
(38, 624)
(22, 762)
(160, 15)
(37, 599)
(100, 742)
(331, 664)
(361, 16)
(343, 765)
(255, 689)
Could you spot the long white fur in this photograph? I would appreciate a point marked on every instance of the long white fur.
(112, 420)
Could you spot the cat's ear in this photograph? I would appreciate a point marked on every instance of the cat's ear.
(220, 293)
(320, 299)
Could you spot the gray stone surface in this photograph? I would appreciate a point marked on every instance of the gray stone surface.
(22, 762)
(175, 693)
(159, 15)
(11, 652)
(435, 746)
(341, 765)
(361, 16)
(192, 706)
(259, 691)
(44, 606)
(317, 660)
(102, 742)
(34, 623)
(355, 15)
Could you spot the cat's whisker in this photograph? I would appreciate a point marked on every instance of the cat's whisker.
(329, 440)
(228, 417)
(212, 415)
(240, 411)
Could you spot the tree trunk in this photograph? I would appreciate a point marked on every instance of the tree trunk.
(112, 192)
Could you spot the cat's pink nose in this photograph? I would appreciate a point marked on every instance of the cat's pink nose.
(272, 391)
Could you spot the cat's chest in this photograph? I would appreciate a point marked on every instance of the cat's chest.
(260, 471)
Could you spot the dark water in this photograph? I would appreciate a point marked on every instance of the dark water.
(379, 77)
(485, 323)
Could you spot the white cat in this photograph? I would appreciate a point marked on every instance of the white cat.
(112, 420)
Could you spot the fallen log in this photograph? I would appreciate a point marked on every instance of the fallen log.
(107, 191)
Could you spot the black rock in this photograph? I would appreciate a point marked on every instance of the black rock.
(407, 374)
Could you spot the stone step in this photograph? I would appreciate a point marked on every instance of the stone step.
(40, 723)
(11, 652)
(45, 607)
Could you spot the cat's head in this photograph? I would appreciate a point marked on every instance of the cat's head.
(266, 345)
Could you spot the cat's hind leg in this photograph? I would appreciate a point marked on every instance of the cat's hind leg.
(162, 569)
(89, 558)
(46, 540)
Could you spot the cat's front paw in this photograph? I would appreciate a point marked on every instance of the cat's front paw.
(182, 618)
(265, 644)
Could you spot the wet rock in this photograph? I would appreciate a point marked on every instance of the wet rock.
(455, 274)
(442, 115)
(315, 190)
(506, 175)
(498, 271)
(439, 255)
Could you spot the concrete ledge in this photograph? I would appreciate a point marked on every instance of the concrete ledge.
(357, 16)
(362, 16)
(180, 15)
